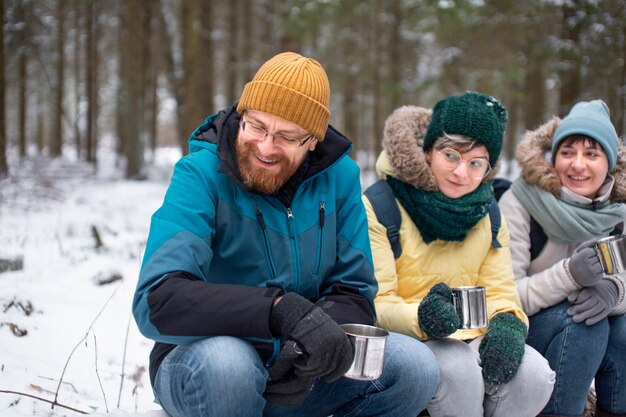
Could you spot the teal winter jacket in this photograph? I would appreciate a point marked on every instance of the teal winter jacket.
(218, 254)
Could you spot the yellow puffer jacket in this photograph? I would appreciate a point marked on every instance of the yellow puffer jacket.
(404, 282)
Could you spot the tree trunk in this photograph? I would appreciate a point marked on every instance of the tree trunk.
(196, 66)
(395, 56)
(21, 80)
(204, 87)
(378, 108)
(571, 77)
(77, 43)
(621, 117)
(171, 70)
(91, 80)
(90, 140)
(152, 73)
(56, 141)
(4, 166)
(148, 70)
(230, 71)
(134, 76)
(40, 116)
(250, 52)
(535, 93)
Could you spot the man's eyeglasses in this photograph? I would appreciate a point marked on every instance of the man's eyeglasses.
(259, 133)
(477, 168)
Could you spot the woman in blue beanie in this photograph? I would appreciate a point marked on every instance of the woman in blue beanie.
(555, 211)
(438, 165)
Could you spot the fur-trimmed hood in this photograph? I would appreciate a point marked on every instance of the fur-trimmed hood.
(403, 156)
(534, 152)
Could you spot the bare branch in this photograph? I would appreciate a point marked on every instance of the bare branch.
(119, 396)
(44, 400)
(84, 338)
(95, 346)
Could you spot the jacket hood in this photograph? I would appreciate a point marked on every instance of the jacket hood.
(403, 156)
(533, 154)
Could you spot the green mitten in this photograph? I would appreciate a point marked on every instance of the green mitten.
(436, 313)
(502, 349)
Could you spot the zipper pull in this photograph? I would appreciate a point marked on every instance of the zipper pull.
(322, 212)
(289, 213)
(259, 217)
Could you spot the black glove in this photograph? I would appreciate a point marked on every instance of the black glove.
(284, 362)
(502, 349)
(290, 390)
(585, 267)
(284, 387)
(592, 304)
(326, 350)
(436, 313)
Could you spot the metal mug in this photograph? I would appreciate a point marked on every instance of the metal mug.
(612, 253)
(470, 303)
(369, 351)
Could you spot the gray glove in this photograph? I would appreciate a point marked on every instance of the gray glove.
(592, 304)
(585, 267)
(586, 244)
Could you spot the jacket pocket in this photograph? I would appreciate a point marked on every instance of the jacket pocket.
(266, 243)
(320, 238)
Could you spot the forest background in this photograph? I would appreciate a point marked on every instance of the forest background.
(98, 98)
(77, 75)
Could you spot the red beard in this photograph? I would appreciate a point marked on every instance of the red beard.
(259, 179)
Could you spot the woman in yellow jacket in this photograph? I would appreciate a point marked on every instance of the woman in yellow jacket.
(438, 165)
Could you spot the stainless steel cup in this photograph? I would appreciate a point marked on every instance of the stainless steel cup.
(369, 351)
(612, 253)
(471, 306)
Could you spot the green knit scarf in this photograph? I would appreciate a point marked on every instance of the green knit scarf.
(439, 217)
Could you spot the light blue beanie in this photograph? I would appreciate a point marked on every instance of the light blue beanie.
(592, 119)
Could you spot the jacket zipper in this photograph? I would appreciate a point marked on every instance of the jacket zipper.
(268, 252)
(320, 236)
(294, 248)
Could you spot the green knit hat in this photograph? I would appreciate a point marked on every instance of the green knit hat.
(472, 114)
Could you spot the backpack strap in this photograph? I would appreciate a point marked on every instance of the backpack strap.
(387, 212)
(500, 185)
(619, 228)
(496, 221)
(538, 239)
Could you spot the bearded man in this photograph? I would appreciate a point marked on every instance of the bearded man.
(257, 255)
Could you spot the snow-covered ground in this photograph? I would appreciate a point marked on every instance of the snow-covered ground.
(66, 332)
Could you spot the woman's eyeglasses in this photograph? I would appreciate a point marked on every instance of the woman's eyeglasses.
(477, 168)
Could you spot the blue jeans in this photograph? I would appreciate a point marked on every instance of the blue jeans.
(579, 353)
(224, 376)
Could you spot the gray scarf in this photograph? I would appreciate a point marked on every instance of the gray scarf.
(566, 222)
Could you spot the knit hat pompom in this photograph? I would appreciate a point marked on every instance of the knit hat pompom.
(475, 115)
(592, 119)
(292, 87)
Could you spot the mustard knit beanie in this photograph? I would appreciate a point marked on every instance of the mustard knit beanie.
(292, 87)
